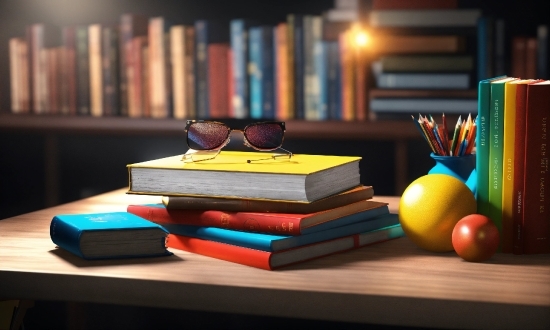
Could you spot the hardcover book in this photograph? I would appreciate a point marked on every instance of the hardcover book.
(108, 235)
(536, 202)
(274, 243)
(273, 260)
(292, 224)
(304, 178)
(250, 205)
(496, 133)
(482, 145)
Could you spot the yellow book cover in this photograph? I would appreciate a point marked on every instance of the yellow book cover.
(302, 178)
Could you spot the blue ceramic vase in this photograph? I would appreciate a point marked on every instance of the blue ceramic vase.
(462, 168)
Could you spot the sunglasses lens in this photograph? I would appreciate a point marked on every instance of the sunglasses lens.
(267, 136)
(206, 136)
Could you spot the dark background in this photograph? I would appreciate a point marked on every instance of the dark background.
(95, 164)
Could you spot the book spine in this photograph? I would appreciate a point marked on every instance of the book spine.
(536, 202)
(96, 72)
(484, 48)
(255, 222)
(519, 158)
(239, 47)
(310, 109)
(543, 58)
(482, 147)
(177, 58)
(255, 73)
(227, 252)
(189, 74)
(508, 167)
(519, 47)
(201, 68)
(281, 72)
(321, 68)
(334, 86)
(267, 78)
(159, 81)
(348, 76)
(65, 236)
(291, 74)
(109, 54)
(531, 58)
(298, 41)
(496, 132)
(14, 75)
(83, 71)
(217, 86)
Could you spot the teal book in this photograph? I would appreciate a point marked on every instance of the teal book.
(482, 145)
(496, 148)
(108, 235)
(274, 243)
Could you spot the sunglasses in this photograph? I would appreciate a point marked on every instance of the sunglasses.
(206, 138)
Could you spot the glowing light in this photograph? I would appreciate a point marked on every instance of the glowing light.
(361, 38)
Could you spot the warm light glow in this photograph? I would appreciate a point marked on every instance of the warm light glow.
(361, 38)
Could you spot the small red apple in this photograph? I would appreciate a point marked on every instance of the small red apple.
(475, 238)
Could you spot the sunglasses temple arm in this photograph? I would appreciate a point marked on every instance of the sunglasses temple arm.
(289, 155)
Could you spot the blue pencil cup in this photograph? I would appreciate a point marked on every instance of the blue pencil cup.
(462, 168)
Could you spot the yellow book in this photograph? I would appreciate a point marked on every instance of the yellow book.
(303, 178)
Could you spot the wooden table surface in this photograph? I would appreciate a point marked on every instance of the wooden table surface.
(389, 283)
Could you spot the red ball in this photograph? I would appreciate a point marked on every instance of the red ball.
(475, 238)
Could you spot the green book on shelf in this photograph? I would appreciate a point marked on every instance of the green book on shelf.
(496, 139)
(482, 145)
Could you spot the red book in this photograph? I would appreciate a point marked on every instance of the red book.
(273, 223)
(272, 260)
(536, 196)
(217, 82)
(519, 157)
(230, 85)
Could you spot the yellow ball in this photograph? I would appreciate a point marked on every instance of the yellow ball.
(431, 206)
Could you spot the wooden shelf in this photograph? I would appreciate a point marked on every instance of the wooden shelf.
(54, 127)
(299, 129)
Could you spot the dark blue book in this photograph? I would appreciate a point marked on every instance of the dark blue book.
(485, 52)
(334, 81)
(108, 235)
(206, 32)
(273, 243)
(262, 86)
(239, 47)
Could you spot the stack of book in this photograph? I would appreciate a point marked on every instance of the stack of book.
(424, 58)
(265, 214)
(512, 161)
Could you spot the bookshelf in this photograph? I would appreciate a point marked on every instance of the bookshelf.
(523, 17)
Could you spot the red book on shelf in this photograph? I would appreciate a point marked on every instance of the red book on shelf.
(230, 84)
(218, 66)
(273, 260)
(536, 196)
(263, 222)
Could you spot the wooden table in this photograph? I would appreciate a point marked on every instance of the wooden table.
(392, 283)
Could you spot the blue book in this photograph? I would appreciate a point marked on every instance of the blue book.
(239, 46)
(334, 81)
(485, 52)
(108, 235)
(321, 68)
(273, 243)
(262, 84)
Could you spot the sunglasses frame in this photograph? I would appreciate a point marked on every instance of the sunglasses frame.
(189, 155)
(190, 122)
